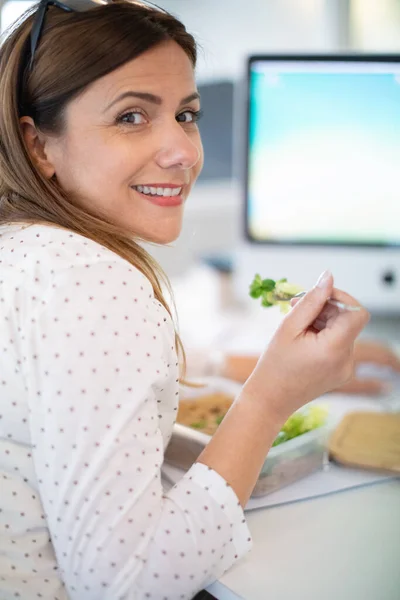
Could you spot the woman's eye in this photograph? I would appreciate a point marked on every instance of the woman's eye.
(132, 118)
(189, 116)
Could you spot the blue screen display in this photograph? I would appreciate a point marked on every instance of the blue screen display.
(324, 152)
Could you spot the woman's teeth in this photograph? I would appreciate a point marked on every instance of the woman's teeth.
(157, 191)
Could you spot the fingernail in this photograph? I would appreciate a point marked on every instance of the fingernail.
(323, 279)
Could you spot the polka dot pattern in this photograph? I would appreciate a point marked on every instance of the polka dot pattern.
(88, 401)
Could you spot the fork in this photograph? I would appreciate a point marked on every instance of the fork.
(331, 301)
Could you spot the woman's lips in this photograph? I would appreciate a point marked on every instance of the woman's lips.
(166, 194)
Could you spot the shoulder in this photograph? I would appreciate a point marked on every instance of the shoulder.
(45, 265)
(41, 254)
(55, 283)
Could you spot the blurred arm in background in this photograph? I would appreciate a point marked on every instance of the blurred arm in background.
(237, 367)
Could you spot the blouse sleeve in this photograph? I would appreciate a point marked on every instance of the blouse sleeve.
(97, 360)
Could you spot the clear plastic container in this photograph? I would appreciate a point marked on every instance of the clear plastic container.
(284, 464)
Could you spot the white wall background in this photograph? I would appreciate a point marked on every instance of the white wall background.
(229, 30)
(376, 25)
(11, 10)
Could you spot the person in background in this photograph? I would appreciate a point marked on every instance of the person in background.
(239, 367)
(99, 149)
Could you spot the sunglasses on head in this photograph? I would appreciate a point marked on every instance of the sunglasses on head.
(68, 6)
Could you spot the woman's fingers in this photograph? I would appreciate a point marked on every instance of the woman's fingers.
(326, 317)
(347, 323)
(336, 294)
(344, 297)
(309, 306)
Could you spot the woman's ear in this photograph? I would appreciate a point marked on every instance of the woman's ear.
(36, 145)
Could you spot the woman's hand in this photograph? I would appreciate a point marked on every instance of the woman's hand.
(300, 364)
(304, 361)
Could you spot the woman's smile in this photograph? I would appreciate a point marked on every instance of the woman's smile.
(161, 194)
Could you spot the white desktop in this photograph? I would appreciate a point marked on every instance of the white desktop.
(322, 174)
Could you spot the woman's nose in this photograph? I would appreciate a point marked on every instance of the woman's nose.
(178, 149)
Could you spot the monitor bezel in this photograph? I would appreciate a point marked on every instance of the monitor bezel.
(337, 57)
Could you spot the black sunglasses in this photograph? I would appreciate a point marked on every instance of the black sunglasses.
(70, 6)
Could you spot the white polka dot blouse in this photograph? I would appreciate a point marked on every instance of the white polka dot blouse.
(88, 399)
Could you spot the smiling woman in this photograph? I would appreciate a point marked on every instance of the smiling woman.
(99, 149)
(100, 146)
(138, 125)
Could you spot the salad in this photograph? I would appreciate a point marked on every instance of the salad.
(302, 421)
(207, 412)
(273, 293)
(277, 293)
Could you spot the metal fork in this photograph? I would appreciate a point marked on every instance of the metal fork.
(331, 301)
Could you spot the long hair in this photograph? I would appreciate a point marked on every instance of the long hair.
(75, 50)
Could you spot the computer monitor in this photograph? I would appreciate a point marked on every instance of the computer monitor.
(322, 174)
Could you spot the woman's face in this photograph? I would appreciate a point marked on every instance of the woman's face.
(131, 146)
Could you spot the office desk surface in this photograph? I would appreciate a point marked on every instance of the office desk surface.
(345, 546)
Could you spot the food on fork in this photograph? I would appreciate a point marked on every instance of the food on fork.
(279, 293)
(274, 293)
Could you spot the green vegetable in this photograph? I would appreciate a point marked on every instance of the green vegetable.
(199, 425)
(315, 417)
(294, 425)
(219, 419)
(269, 290)
(258, 286)
(301, 422)
(266, 302)
(280, 438)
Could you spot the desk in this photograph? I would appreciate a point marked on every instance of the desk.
(345, 546)
(342, 547)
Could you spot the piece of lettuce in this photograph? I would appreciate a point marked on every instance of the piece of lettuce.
(302, 421)
(270, 291)
(199, 425)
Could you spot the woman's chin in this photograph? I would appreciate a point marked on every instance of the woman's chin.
(162, 241)
(162, 238)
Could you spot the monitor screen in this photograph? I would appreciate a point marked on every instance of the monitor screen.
(323, 158)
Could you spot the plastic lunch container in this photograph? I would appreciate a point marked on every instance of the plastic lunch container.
(284, 464)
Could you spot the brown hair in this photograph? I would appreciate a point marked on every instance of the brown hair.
(75, 50)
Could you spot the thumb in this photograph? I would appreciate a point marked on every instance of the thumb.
(310, 306)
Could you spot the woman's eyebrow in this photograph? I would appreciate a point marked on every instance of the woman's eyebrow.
(150, 98)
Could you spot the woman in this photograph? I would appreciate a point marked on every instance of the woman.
(99, 150)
